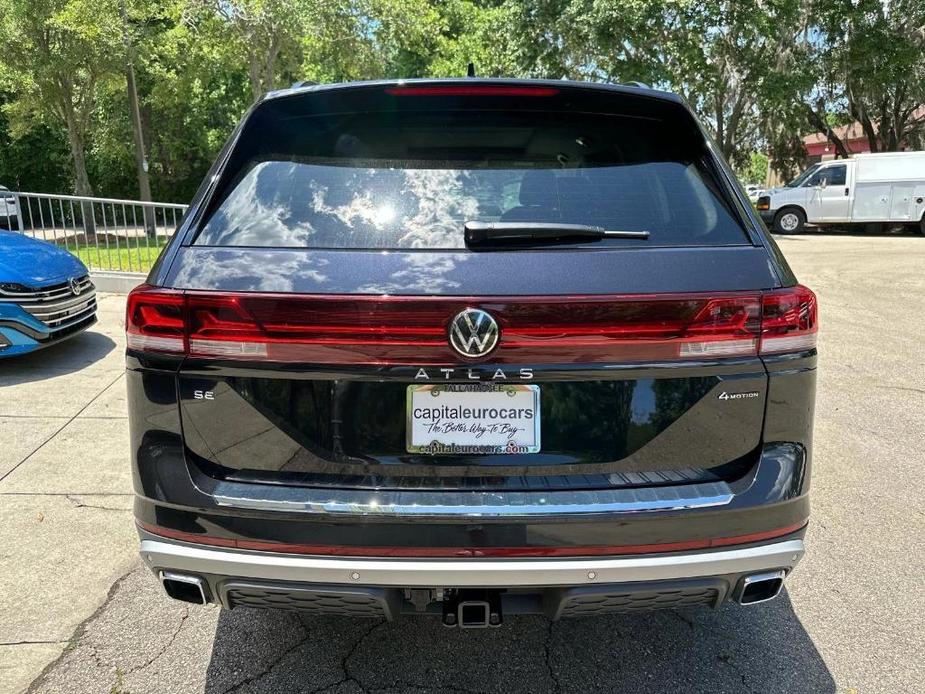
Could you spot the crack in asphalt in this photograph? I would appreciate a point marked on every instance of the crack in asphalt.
(344, 662)
(60, 429)
(905, 388)
(173, 637)
(269, 668)
(405, 687)
(67, 494)
(30, 643)
(728, 660)
(79, 504)
(557, 686)
(79, 633)
(352, 652)
(683, 618)
(96, 658)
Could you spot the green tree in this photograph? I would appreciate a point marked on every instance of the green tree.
(371, 39)
(756, 170)
(37, 159)
(873, 59)
(57, 52)
(721, 55)
(264, 34)
(481, 33)
(759, 73)
(192, 92)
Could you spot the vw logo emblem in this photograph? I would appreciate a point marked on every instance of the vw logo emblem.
(473, 333)
(74, 283)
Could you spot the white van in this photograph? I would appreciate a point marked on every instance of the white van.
(867, 189)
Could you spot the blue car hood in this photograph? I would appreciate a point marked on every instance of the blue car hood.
(25, 260)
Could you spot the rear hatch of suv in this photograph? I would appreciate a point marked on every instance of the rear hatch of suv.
(316, 290)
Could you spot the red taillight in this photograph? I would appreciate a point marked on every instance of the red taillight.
(789, 320)
(399, 330)
(722, 328)
(155, 320)
(222, 326)
(472, 90)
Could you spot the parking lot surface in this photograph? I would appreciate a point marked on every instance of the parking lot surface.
(851, 619)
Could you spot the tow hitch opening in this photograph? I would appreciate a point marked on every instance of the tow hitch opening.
(474, 609)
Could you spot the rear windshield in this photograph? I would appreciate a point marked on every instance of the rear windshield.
(411, 179)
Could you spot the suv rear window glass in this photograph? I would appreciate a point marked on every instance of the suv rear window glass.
(411, 179)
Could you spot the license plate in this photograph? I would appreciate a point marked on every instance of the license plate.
(473, 419)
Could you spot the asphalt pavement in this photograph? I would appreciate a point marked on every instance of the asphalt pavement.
(852, 618)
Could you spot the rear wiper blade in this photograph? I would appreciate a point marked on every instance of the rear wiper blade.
(499, 233)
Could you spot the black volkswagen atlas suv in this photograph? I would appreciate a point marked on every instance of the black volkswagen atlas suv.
(471, 348)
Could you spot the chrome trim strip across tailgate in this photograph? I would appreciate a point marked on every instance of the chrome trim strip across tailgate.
(162, 554)
(470, 503)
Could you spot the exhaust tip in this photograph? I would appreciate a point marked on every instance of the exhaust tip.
(184, 587)
(759, 588)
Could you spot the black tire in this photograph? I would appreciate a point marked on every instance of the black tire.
(922, 225)
(789, 220)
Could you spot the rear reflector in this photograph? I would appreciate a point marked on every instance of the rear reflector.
(228, 348)
(726, 348)
(153, 343)
(397, 330)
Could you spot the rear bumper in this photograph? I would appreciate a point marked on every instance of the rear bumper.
(168, 555)
(768, 504)
(382, 587)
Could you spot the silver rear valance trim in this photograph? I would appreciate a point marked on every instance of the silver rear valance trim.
(170, 555)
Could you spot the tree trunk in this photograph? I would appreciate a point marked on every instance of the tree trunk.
(256, 79)
(818, 122)
(79, 160)
(859, 113)
(141, 162)
(82, 185)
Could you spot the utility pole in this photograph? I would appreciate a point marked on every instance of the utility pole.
(141, 161)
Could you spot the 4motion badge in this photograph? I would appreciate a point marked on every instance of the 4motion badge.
(738, 396)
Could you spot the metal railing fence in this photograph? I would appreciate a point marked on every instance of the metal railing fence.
(105, 233)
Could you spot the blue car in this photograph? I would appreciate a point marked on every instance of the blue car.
(45, 295)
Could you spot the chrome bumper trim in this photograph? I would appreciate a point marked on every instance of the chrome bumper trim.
(471, 503)
(168, 555)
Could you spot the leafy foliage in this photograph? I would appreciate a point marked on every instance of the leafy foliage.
(759, 73)
(756, 170)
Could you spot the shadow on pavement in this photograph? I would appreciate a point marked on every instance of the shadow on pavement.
(760, 649)
(69, 356)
